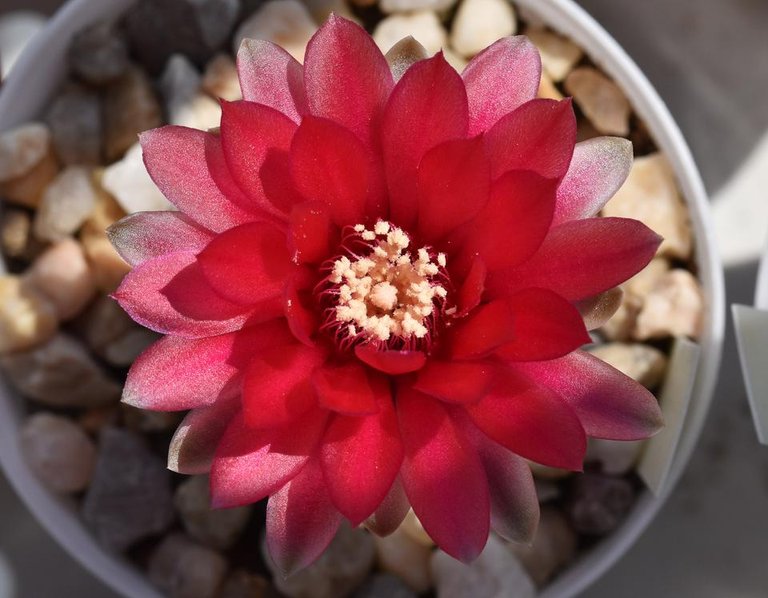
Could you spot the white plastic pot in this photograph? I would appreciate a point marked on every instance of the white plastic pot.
(41, 69)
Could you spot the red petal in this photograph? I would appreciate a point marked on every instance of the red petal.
(347, 77)
(247, 264)
(310, 233)
(539, 136)
(598, 168)
(515, 221)
(186, 166)
(170, 295)
(443, 477)
(345, 389)
(299, 312)
(454, 184)
(531, 421)
(427, 106)
(455, 381)
(487, 328)
(301, 520)
(270, 76)
(331, 166)
(582, 258)
(471, 291)
(391, 512)
(361, 456)
(249, 464)
(277, 181)
(277, 386)
(502, 77)
(546, 326)
(391, 362)
(609, 404)
(146, 235)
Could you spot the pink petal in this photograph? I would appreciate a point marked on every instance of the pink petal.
(455, 381)
(502, 77)
(486, 329)
(247, 264)
(277, 386)
(609, 404)
(443, 477)
(301, 521)
(347, 77)
(531, 421)
(170, 295)
(598, 168)
(249, 464)
(546, 326)
(345, 389)
(454, 185)
(471, 291)
(538, 136)
(582, 258)
(427, 106)
(310, 233)
(270, 76)
(391, 512)
(391, 362)
(187, 166)
(277, 182)
(302, 318)
(515, 221)
(361, 457)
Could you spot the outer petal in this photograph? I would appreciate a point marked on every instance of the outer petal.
(539, 136)
(270, 76)
(345, 389)
(609, 404)
(250, 465)
(443, 477)
(186, 165)
(301, 520)
(454, 185)
(427, 106)
(347, 77)
(455, 381)
(598, 168)
(502, 77)
(488, 327)
(582, 258)
(391, 512)
(247, 264)
(393, 363)
(531, 421)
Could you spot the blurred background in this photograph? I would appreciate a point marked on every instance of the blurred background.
(709, 61)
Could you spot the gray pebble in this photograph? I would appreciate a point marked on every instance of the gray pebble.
(184, 569)
(75, 120)
(598, 503)
(384, 586)
(98, 54)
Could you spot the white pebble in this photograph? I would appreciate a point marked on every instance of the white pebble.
(479, 23)
(423, 26)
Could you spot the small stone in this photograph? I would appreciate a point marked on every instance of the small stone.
(337, 573)
(423, 26)
(107, 266)
(217, 528)
(112, 335)
(598, 503)
(547, 89)
(130, 184)
(615, 457)
(15, 228)
(60, 373)
(674, 307)
(650, 194)
(459, 63)
(107, 210)
(75, 118)
(123, 351)
(28, 189)
(548, 473)
(130, 108)
(143, 420)
(21, 149)
(184, 569)
(216, 19)
(130, 495)
(402, 556)
(242, 584)
(27, 318)
(413, 528)
(642, 283)
(558, 54)
(601, 100)
(640, 362)
(546, 490)
(220, 79)
(185, 103)
(95, 419)
(479, 23)
(384, 586)
(98, 54)
(286, 23)
(622, 323)
(322, 9)
(553, 547)
(58, 452)
(66, 204)
(390, 6)
(496, 573)
(62, 274)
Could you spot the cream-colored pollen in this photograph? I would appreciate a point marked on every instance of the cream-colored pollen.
(389, 292)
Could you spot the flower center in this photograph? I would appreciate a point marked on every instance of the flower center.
(379, 291)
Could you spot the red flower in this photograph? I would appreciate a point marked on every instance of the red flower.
(372, 288)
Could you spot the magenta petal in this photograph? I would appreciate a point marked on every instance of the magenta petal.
(270, 76)
(609, 404)
(390, 362)
(301, 520)
(455, 381)
(391, 512)
(502, 77)
(345, 389)
(443, 477)
(598, 168)
(486, 329)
